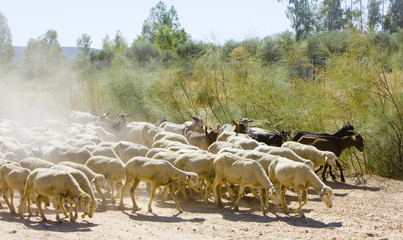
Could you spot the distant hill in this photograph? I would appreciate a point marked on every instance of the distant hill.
(69, 52)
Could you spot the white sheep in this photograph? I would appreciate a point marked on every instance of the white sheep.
(157, 173)
(153, 151)
(265, 159)
(225, 135)
(56, 184)
(86, 117)
(33, 163)
(174, 127)
(284, 152)
(80, 143)
(170, 136)
(13, 177)
(127, 150)
(84, 184)
(104, 151)
(247, 144)
(142, 133)
(246, 173)
(215, 147)
(58, 154)
(97, 179)
(202, 164)
(113, 170)
(285, 173)
(167, 156)
(318, 157)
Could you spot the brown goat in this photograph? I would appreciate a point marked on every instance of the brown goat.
(336, 145)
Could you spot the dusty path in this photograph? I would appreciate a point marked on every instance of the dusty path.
(370, 211)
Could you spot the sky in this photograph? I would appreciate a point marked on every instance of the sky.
(215, 21)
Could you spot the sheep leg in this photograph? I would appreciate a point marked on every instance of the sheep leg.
(63, 209)
(283, 200)
(324, 172)
(38, 205)
(10, 206)
(73, 219)
(113, 190)
(182, 190)
(341, 171)
(320, 168)
(299, 209)
(12, 198)
(260, 191)
(217, 191)
(132, 189)
(174, 198)
(57, 202)
(153, 190)
(254, 193)
(208, 191)
(240, 194)
(122, 192)
(100, 193)
(331, 173)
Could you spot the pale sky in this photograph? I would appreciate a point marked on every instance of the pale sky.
(206, 20)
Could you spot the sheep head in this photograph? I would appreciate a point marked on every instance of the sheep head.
(326, 194)
(275, 196)
(83, 202)
(192, 180)
(330, 158)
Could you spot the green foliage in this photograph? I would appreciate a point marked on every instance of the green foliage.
(43, 57)
(269, 50)
(190, 49)
(374, 14)
(327, 44)
(6, 44)
(143, 51)
(162, 28)
(84, 48)
(331, 15)
(394, 17)
(301, 16)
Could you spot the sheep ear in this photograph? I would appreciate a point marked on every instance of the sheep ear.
(323, 192)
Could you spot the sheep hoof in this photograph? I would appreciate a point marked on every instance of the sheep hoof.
(302, 215)
(150, 210)
(120, 206)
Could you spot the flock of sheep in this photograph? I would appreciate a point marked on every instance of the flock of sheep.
(76, 163)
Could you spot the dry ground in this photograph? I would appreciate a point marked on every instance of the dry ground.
(361, 211)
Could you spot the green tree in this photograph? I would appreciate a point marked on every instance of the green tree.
(331, 15)
(162, 28)
(6, 45)
(84, 48)
(374, 14)
(43, 56)
(301, 16)
(269, 51)
(142, 51)
(394, 18)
